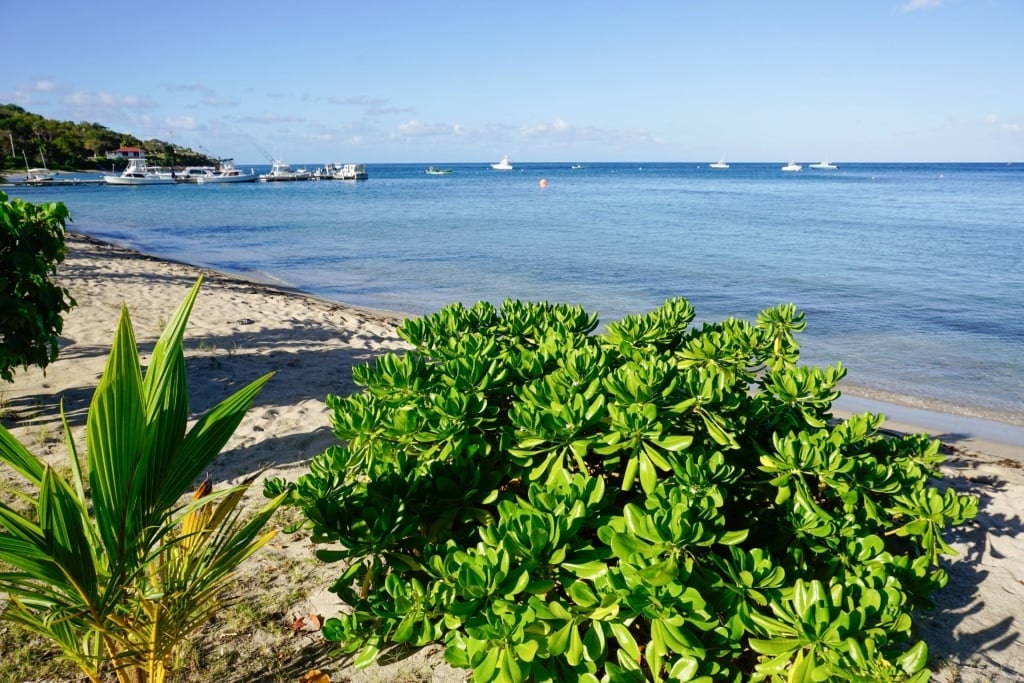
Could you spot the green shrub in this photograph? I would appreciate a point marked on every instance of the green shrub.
(120, 578)
(655, 502)
(31, 246)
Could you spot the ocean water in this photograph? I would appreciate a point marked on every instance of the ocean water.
(912, 275)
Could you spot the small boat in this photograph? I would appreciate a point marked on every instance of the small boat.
(502, 165)
(328, 171)
(437, 171)
(576, 167)
(280, 171)
(719, 164)
(138, 173)
(352, 172)
(227, 173)
(192, 174)
(824, 165)
(792, 167)
(37, 176)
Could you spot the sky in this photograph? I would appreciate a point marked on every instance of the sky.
(435, 81)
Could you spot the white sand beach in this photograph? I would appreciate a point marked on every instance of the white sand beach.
(241, 329)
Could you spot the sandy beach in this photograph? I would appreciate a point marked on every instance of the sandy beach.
(241, 329)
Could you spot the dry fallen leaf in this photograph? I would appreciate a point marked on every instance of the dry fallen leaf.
(315, 621)
(315, 676)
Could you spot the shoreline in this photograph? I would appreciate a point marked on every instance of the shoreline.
(962, 426)
(240, 329)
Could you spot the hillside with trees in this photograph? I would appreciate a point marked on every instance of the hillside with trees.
(27, 139)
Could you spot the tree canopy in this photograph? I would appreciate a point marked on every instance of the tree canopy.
(27, 138)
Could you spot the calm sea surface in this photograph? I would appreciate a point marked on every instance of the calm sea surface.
(912, 275)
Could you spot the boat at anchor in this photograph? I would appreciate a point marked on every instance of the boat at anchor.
(280, 172)
(137, 172)
(227, 173)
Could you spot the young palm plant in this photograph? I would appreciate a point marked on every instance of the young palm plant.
(119, 577)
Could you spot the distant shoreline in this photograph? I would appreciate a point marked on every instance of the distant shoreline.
(996, 433)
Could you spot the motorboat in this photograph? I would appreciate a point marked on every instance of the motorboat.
(328, 171)
(792, 167)
(719, 164)
(437, 171)
(577, 167)
(824, 165)
(192, 174)
(138, 173)
(227, 173)
(352, 172)
(502, 165)
(38, 176)
(280, 171)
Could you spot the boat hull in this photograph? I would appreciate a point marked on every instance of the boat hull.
(284, 178)
(121, 180)
(225, 179)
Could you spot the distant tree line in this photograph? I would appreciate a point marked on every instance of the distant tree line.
(35, 141)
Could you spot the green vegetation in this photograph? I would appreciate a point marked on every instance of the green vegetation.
(658, 501)
(31, 305)
(119, 578)
(65, 145)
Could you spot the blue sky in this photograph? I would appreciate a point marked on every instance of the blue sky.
(433, 81)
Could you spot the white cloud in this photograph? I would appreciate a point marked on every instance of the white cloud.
(557, 128)
(372, 106)
(357, 101)
(88, 98)
(271, 118)
(419, 129)
(190, 87)
(1004, 126)
(210, 97)
(916, 5)
(43, 85)
(181, 123)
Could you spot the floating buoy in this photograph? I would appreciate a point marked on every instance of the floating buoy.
(543, 182)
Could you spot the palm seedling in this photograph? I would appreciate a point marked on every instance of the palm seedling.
(119, 576)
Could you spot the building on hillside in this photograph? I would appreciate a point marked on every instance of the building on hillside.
(127, 153)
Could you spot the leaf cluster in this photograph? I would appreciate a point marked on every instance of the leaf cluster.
(658, 501)
(119, 577)
(31, 304)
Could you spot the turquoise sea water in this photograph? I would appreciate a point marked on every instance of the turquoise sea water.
(912, 275)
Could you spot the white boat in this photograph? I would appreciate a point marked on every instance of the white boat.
(280, 171)
(792, 167)
(352, 172)
(37, 176)
(192, 174)
(824, 165)
(719, 164)
(327, 172)
(437, 171)
(138, 173)
(227, 173)
(502, 165)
